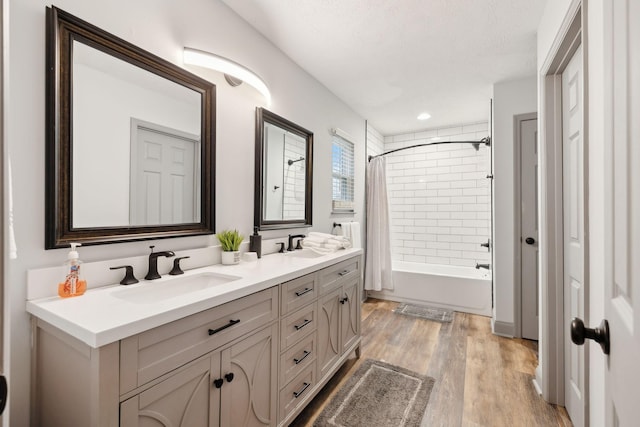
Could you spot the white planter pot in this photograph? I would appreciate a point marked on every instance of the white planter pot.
(229, 258)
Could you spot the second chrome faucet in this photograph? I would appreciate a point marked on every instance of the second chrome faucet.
(153, 263)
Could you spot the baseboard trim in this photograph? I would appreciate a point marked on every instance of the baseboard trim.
(504, 329)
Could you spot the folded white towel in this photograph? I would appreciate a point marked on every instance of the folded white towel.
(311, 244)
(325, 243)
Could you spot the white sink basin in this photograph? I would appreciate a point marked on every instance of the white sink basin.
(150, 292)
(304, 253)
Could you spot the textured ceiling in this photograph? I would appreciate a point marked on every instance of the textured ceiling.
(393, 59)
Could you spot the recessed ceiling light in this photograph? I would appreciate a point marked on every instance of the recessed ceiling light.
(424, 116)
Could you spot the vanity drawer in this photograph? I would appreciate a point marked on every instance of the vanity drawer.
(297, 392)
(298, 325)
(298, 293)
(297, 358)
(150, 354)
(332, 277)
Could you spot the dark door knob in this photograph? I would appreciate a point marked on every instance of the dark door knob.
(600, 334)
(218, 382)
(229, 377)
(529, 240)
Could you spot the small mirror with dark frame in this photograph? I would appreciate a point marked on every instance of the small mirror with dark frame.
(130, 144)
(284, 173)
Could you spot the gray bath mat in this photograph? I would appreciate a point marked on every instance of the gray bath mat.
(378, 395)
(431, 313)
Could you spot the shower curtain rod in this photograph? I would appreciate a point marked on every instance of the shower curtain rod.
(476, 144)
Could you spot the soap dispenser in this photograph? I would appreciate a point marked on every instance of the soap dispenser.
(255, 242)
(73, 285)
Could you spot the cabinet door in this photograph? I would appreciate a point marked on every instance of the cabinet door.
(329, 345)
(350, 316)
(249, 393)
(187, 399)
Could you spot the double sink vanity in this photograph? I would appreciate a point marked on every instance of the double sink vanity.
(248, 344)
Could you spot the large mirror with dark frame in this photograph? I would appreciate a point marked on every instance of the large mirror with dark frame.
(284, 173)
(130, 145)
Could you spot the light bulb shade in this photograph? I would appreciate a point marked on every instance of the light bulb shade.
(226, 66)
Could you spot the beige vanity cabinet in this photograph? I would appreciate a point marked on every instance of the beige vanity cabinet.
(310, 358)
(231, 387)
(255, 361)
(186, 398)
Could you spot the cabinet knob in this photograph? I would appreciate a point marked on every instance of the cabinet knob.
(218, 383)
(229, 377)
(343, 300)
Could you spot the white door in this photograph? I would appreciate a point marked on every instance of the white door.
(163, 189)
(573, 226)
(528, 138)
(622, 217)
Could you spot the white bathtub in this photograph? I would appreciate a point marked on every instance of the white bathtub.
(462, 289)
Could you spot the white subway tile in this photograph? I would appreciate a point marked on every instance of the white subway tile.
(451, 238)
(449, 131)
(415, 258)
(437, 260)
(464, 168)
(403, 137)
(450, 223)
(475, 127)
(450, 192)
(449, 253)
(425, 252)
(451, 177)
(414, 244)
(463, 184)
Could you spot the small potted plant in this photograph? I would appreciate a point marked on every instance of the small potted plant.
(230, 241)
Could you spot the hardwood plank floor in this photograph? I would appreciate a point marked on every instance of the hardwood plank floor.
(481, 379)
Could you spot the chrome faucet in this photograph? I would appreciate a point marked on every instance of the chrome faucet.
(153, 263)
(294, 236)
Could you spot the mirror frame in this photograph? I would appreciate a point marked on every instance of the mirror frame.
(62, 29)
(259, 221)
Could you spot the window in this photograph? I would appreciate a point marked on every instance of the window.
(342, 174)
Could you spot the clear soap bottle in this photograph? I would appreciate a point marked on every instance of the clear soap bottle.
(74, 284)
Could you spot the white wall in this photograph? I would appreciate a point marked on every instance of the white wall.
(439, 196)
(554, 14)
(162, 27)
(509, 99)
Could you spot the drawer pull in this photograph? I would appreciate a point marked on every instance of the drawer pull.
(306, 354)
(218, 383)
(304, 291)
(305, 323)
(296, 394)
(222, 328)
(343, 273)
(343, 300)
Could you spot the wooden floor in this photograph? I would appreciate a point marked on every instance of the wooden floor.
(481, 379)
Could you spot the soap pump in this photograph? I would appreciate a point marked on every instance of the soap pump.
(255, 242)
(73, 285)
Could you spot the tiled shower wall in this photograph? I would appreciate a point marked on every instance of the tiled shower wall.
(439, 197)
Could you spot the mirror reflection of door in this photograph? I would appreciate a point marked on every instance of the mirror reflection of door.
(284, 170)
(164, 178)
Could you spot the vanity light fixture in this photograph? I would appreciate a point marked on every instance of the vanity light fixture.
(233, 72)
(424, 116)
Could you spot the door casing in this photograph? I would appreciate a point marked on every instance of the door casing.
(550, 371)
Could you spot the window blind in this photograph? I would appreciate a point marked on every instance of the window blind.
(343, 175)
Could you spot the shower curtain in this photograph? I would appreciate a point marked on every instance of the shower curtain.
(378, 262)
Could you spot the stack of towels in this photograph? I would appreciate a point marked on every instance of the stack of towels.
(324, 243)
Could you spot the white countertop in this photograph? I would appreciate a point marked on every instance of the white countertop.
(100, 316)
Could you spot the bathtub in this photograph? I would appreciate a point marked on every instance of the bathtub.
(456, 288)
